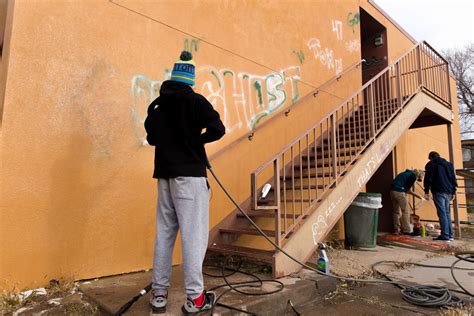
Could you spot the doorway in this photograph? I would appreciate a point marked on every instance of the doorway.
(380, 183)
(374, 47)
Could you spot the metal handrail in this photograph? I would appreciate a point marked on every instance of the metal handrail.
(286, 113)
(352, 96)
(327, 82)
(362, 117)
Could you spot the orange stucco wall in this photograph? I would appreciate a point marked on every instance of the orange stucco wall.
(77, 194)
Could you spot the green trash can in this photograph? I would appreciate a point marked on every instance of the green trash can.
(361, 220)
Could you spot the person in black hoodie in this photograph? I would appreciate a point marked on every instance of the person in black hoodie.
(440, 178)
(174, 125)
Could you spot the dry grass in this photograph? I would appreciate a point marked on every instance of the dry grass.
(402, 265)
(79, 309)
(335, 244)
(10, 301)
(459, 311)
(61, 287)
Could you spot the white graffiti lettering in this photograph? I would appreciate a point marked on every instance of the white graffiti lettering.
(321, 222)
(325, 55)
(242, 99)
(337, 28)
(353, 46)
(372, 165)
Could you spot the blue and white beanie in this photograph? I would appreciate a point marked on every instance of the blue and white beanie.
(184, 69)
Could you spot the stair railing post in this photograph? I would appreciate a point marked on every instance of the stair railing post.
(333, 147)
(370, 98)
(399, 89)
(276, 173)
(449, 85)
(419, 65)
(253, 190)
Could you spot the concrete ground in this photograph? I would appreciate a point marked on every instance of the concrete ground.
(110, 293)
(377, 299)
(308, 292)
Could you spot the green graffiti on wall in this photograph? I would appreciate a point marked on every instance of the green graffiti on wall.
(242, 98)
(353, 19)
(191, 44)
(300, 55)
(258, 87)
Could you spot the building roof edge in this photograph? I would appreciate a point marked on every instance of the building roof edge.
(388, 17)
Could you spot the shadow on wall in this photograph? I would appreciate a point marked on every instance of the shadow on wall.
(71, 201)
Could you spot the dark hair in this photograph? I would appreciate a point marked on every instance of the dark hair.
(433, 155)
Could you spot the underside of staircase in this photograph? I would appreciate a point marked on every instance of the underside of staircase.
(316, 177)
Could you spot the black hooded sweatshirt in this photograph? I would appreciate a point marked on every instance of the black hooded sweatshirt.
(175, 124)
(440, 177)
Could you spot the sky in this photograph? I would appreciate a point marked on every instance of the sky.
(444, 24)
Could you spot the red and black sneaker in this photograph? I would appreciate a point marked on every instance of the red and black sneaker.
(200, 304)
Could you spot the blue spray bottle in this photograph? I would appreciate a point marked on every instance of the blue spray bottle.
(323, 261)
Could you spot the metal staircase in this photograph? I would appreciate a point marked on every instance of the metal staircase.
(316, 177)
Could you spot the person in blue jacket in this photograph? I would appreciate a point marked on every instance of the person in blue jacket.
(441, 180)
(401, 186)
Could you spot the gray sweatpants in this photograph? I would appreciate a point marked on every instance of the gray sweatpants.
(183, 203)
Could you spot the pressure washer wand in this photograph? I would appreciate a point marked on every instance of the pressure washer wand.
(129, 304)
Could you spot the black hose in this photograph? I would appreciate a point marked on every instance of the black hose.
(466, 256)
(418, 295)
(293, 308)
(261, 232)
(237, 287)
(429, 296)
(129, 304)
(432, 296)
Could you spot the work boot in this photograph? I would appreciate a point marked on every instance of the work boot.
(441, 238)
(199, 304)
(158, 301)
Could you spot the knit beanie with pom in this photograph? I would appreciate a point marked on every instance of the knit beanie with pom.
(184, 69)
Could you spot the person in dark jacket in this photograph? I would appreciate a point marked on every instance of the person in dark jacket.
(401, 186)
(441, 180)
(175, 124)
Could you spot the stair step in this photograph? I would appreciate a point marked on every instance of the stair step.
(298, 186)
(340, 153)
(269, 214)
(339, 147)
(346, 142)
(321, 164)
(366, 116)
(304, 187)
(312, 175)
(350, 136)
(257, 254)
(246, 231)
(269, 200)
